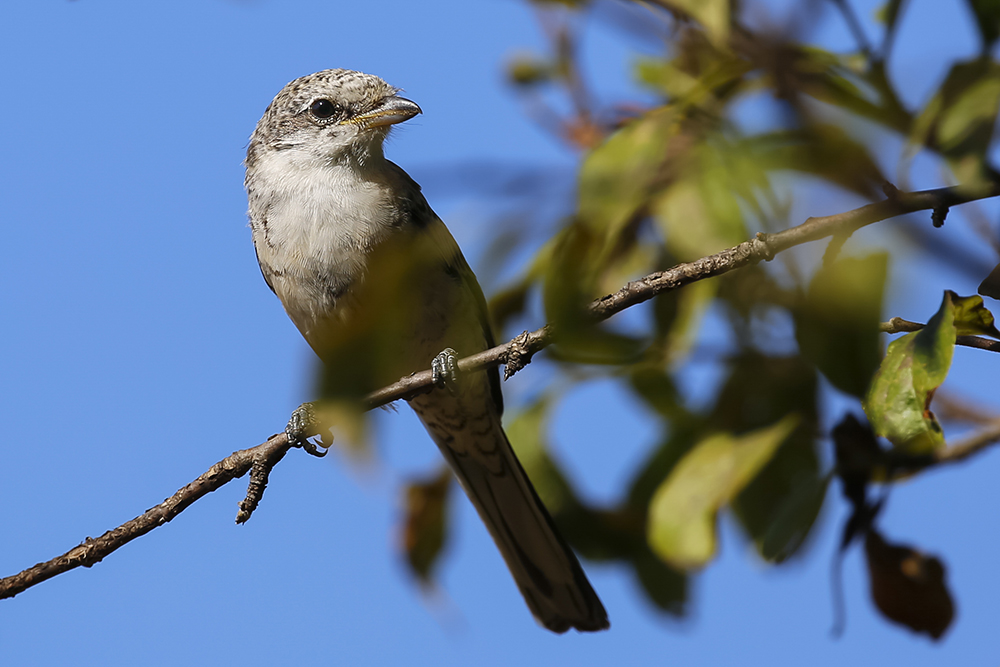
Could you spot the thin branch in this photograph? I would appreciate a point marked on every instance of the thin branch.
(763, 247)
(899, 325)
(952, 407)
(966, 448)
(515, 354)
(855, 26)
(895, 9)
(970, 446)
(92, 551)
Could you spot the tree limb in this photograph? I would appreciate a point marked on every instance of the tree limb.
(515, 354)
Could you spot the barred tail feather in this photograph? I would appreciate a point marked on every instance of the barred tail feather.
(543, 565)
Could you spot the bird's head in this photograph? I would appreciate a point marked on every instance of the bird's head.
(331, 115)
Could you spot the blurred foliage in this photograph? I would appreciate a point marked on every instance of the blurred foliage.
(675, 174)
(425, 530)
(836, 324)
(682, 513)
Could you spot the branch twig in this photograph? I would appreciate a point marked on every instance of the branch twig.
(515, 354)
(962, 450)
(899, 325)
(854, 25)
(94, 550)
(970, 446)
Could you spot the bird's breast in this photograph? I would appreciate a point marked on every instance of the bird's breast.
(314, 233)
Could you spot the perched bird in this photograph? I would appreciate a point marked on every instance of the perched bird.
(378, 287)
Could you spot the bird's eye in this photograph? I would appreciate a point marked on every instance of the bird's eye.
(323, 108)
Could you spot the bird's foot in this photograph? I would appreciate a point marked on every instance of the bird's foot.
(444, 369)
(303, 425)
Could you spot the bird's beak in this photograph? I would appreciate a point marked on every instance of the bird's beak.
(392, 110)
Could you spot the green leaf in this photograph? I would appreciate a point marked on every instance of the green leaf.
(699, 213)
(821, 150)
(987, 13)
(830, 78)
(699, 76)
(682, 513)
(759, 391)
(665, 76)
(568, 288)
(713, 15)
(836, 325)
(991, 284)
(528, 70)
(794, 519)
(682, 437)
(972, 318)
(615, 177)
(959, 119)
(664, 586)
(888, 13)
(657, 389)
(898, 400)
(682, 212)
(973, 111)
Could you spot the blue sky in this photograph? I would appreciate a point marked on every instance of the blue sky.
(140, 345)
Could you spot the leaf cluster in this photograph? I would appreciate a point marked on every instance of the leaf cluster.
(680, 176)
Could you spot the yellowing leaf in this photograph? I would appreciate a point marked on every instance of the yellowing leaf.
(713, 15)
(681, 521)
(972, 318)
(898, 400)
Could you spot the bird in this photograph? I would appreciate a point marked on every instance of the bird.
(379, 288)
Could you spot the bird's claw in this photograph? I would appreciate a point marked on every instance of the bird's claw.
(444, 369)
(303, 425)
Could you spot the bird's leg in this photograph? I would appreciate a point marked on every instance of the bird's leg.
(302, 425)
(444, 369)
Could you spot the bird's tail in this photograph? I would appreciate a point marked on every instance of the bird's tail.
(544, 567)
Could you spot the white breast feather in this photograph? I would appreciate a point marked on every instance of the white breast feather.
(321, 217)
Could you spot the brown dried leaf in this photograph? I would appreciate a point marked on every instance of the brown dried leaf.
(425, 527)
(908, 586)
